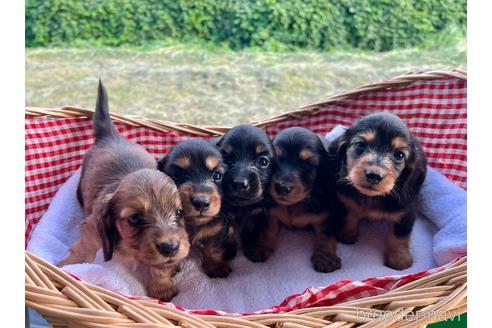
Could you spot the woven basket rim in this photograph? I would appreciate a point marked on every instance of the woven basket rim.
(64, 301)
(206, 130)
(58, 296)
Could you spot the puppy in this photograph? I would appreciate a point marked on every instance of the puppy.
(247, 152)
(133, 211)
(301, 197)
(196, 167)
(380, 170)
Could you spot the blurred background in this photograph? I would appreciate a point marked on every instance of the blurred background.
(224, 62)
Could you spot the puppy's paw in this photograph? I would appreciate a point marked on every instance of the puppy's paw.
(398, 259)
(63, 262)
(257, 253)
(347, 237)
(164, 293)
(325, 262)
(70, 259)
(217, 270)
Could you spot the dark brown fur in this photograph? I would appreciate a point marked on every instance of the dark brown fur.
(133, 210)
(380, 170)
(197, 169)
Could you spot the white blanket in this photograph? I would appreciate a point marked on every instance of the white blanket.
(436, 240)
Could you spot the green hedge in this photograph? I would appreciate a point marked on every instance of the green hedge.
(315, 24)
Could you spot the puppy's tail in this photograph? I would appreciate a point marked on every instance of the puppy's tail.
(103, 126)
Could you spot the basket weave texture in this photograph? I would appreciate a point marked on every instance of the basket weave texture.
(432, 103)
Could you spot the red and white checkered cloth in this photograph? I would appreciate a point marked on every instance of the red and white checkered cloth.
(435, 111)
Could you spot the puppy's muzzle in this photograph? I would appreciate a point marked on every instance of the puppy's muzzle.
(243, 185)
(373, 177)
(200, 203)
(240, 184)
(169, 248)
(283, 189)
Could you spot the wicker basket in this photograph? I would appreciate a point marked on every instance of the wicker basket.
(432, 103)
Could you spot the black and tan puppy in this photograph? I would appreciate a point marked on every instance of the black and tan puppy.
(197, 169)
(133, 211)
(380, 170)
(301, 197)
(248, 153)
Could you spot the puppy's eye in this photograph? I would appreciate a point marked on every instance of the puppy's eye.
(216, 176)
(360, 144)
(136, 220)
(179, 214)
(399, 155)
(263, 161)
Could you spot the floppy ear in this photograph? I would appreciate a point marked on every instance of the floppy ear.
(325, 170)
(106, 225)
(321, 145)
(161, 164)
(216, 141)
(338, 147)
(322, 190)
(415, 170)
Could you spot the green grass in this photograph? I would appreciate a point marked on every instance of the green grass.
(203, 85)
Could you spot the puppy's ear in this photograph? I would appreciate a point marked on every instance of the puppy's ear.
(216, 141)
(324, 142)
(324, 170)
(106, 225)
(415, 169)
(338, 147)
(161, 164)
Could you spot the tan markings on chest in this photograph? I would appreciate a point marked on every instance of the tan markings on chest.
(367, 212)
(295, 216)
(207, 232)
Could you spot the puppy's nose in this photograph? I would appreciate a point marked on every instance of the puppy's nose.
(373, 178)
(169, 248)
(283, 189)
(240, 184)
(200, 203)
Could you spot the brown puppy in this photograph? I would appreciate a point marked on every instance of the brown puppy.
(133, 211)
(197, 169)
(301, 197)
(380, 170)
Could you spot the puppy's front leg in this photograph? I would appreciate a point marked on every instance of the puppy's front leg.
(85, 247)
(259, 236)
(398, 254)
(216, 252)
(160, 284)
(349, 232)
(230, 244)
(325, 258)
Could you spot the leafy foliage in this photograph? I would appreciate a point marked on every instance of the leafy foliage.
(271, 24)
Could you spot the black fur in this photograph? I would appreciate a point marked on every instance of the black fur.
(313, 174)
(196, 150)
(300, 196)
(203, 181)
(244, 165)
(404, 227)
